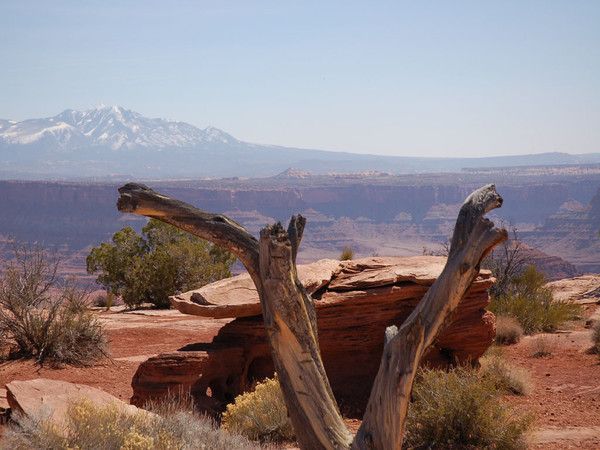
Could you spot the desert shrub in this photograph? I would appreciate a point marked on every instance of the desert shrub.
(171, 403)
(347, 253)
(157, 264)
(542, 346)
(260, 415)
(442, 249)
(106, 427)
(460, 409)
(43, 319)
(596, 338)
(531, 303)
(507, 262)
(508, 330)
(505, 376)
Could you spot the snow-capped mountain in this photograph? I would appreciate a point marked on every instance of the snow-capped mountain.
(5, 124)
(113, 142)
(109, 126)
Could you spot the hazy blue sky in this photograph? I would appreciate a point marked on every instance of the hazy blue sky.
(407, 78)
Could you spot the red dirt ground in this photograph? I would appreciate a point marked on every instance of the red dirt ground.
(132, 338)
(565, 399)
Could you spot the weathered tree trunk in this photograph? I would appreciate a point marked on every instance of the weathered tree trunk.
(291, 325)
(288, 312)
(474, 236)
(290, 318)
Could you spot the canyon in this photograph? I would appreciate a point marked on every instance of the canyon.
(556, 210)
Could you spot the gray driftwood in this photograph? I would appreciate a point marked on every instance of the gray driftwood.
(290, 318)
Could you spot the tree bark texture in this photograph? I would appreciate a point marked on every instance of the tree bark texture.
(290, 318)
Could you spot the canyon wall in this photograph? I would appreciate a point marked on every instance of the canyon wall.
(573, 232)
(396, 216)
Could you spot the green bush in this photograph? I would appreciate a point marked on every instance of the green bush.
(160, 263)
(461, 409)
(531, 303)
(260, 415)
(93, 427)
(44, 319)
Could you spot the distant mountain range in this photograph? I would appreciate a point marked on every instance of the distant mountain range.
(113, 142)
(109, 126)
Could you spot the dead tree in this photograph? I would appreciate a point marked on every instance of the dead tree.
(290, 319)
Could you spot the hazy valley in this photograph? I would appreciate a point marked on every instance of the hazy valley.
(556, 210)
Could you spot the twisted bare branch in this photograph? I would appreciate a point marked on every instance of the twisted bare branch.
(141, 200)
(474, 236)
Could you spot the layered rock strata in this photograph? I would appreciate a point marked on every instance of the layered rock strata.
(355, 301)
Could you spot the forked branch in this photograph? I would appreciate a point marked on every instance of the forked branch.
(217, 228)
(474, 236)
(288, 312)
(291, 324)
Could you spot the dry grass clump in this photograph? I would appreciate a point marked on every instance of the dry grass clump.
(347, 253)
(506, 376)
(260, 415)
(461, 409)
(508, 330)
(93, 427)
(542, 346)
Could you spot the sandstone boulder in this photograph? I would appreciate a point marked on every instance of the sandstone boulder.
(237, 296)
(355, 301)
(50, 399)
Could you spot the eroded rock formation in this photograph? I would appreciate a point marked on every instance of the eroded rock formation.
(355, 302)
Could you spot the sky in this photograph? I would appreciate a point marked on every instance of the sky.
(426, 78)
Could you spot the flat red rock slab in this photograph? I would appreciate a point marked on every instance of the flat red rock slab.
(385, 271)
(237, 296)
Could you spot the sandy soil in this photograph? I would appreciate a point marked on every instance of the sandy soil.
(565, 399)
